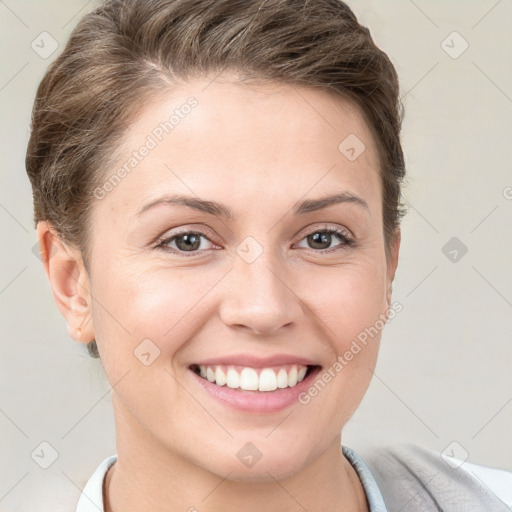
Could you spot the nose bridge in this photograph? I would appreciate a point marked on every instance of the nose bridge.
(257, 294)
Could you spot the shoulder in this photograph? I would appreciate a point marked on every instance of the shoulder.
(415, 478)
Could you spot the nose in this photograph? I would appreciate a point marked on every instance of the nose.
(259, 297)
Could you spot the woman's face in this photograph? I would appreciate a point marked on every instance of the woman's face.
(265, 281)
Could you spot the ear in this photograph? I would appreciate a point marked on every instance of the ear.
(392, 263)
(69, 282)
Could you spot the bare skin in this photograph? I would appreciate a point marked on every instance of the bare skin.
(258, 150)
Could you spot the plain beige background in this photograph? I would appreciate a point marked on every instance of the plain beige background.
(443, 379)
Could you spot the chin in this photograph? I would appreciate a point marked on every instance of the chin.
(280, 464)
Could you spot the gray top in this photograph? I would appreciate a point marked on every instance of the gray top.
(413, 478)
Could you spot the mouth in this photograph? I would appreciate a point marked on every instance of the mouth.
(255, 380)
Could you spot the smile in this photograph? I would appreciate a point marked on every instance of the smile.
(253, 379)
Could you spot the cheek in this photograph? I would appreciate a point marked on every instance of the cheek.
(348, 300)
(351, 306)
(138, 305)
(346, 304)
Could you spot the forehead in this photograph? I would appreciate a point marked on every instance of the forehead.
(210, 138)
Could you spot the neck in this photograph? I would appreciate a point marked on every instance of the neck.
(147, 476)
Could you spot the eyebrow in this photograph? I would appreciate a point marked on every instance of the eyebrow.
(218, 209)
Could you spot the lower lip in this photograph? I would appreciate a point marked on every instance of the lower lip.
(260, 402)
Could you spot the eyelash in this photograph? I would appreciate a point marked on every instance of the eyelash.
(346, 241)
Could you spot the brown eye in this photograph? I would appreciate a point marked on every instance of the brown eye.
(187, 241)
(321, 240)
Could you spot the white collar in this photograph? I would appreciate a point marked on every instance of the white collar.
(91, 499)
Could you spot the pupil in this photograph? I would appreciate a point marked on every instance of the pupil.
(321, 238)
(192, 242)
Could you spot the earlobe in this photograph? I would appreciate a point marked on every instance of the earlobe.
(69, 282)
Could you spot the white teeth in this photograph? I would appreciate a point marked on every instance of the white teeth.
(249, 380)
(268, 380)
(282, 378)
(220, 376)
(233, 379)
(292, 376)
(210, 374)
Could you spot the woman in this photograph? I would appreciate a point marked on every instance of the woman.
(217, 192)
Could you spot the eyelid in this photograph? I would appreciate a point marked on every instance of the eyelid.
(309, 229)
(205, 231)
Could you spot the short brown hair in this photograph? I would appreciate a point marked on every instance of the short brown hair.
(125, 50)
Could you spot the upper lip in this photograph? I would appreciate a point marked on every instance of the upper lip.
(256, 361)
